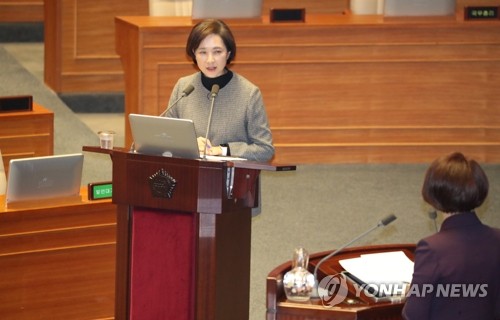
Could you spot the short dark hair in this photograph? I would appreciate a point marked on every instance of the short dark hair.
(454, 183)
(205, 28)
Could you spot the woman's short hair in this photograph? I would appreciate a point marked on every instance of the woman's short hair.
(205, 28)
(454, 183)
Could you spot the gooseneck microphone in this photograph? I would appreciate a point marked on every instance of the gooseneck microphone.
(382, 223)
(186, 92)
(213, 93)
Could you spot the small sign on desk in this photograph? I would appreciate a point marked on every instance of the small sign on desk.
(481, 13)
(288, 15)
(16, 103)
(100, 190)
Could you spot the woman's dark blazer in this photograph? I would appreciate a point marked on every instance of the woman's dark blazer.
(463, 255)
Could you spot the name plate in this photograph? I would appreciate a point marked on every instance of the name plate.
(288, 15)
(16, 103)
(100, 190)
(481, 13)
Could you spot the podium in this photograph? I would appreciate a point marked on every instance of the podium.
(183, 235)
(356, 305)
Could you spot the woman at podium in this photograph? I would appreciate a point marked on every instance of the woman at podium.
(456, 272)
(227, 109)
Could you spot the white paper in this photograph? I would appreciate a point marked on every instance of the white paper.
(380, 268)
(3, 178)
(223, 158)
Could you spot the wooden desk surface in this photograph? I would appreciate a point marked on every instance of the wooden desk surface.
(43, 205)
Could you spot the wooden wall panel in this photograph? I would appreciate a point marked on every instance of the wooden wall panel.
(345, 89)
(21, 10)
(79, 40)
(33, 10)
(58, 262)
(407, 94)
(64, 284)
(79, 44)
(26, 134)
(79, 37)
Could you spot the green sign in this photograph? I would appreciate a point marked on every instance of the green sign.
(102, 191)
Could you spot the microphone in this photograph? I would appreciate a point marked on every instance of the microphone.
(186, 92)
(213, 93)
(433, 215)
(382, 223)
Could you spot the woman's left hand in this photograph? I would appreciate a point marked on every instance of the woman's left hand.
(211, 150)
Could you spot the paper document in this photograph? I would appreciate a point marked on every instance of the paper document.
(380, 268)
(223, 158)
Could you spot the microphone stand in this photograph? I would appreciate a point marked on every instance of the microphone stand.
(173, 104)
(186, 92)
(214, 92)
(433, 216)
(381, 223)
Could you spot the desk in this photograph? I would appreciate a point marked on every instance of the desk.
(362, 307)
(58, 262)
(343, 88)
(26, 134)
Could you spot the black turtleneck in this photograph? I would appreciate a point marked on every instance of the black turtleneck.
(220, 80)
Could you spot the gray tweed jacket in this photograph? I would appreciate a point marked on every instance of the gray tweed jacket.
(239, 117)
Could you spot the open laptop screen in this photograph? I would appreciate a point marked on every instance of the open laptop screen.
(226, 9)
(41, 178)
(160, 136)
(398, 8)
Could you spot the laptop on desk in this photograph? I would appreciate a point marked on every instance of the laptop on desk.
(401, 8)
(34, 180)
(227, 9)
(161, 136)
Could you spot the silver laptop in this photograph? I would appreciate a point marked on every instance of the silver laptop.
(42, 178)
(398, 8)
(161, 136)
(226, 9)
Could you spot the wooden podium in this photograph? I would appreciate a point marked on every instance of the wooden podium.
(354, 306)
(183, 236)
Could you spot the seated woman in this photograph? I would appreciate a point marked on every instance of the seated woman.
(457, 270)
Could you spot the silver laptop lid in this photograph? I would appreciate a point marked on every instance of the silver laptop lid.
(41, 178)
(397, 8)
(226, 9)
(161, 136)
